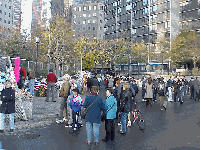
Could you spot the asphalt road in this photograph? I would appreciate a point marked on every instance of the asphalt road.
(176, 128)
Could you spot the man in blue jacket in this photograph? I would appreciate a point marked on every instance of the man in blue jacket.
(110, 108)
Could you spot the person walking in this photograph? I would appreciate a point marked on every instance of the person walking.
(51, 80)
(110, 82)
(115, 91)
(169, 88)
(125, 106)
(155, 89)
(196, 85)
(143, 88)
(110, 108)
(93, 116)
(7, 106)
(176, 89)
(191, 88)
(22, 78)
(75, 105)
(149, 92)
(65, 92)
(31, 82)
(161, 93)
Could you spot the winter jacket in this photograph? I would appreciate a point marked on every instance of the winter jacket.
(125, 101)
(51, 77)
(149, 90)
(110, 107)
(8, 101)
(110, 83)
(161, 88)
(94, 113)
(65, 89)
(76, 103)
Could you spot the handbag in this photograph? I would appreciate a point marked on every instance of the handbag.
(103, 115)
(84, 112)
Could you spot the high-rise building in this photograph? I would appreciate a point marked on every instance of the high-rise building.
(16, 11)
(26, 18)
(88, 19)
(36, 15)
(148, 20)
(57, 7)
(6, 15)
(68, 10)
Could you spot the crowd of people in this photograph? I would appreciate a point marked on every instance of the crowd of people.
(120, 94)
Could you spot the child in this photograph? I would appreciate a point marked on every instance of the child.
(75, 105)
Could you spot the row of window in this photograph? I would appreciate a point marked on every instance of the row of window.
(9, 14)
(88, 34)
(86, 15)
(5, 21)
(87, 21)
(88, 28)
(5, 5)
(143, 29)
(86, 8)
(135, 12)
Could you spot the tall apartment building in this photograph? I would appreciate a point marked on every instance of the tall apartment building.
(148, 20)
(6, 15)
(36, 14)
(68, 10)
(88, 19)
(57, 7)
(16, 11)
(190, 14)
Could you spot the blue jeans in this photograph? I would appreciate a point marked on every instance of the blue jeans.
(123, 121)
(11, 121)
(31, 86)
(181, 96)
(95, 127)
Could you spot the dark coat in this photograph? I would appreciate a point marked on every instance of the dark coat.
(115, 95)
(8, 101)
(125, 101)
(95, 82)
(94, 113)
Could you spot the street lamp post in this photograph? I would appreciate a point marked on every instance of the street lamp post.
(37, 42)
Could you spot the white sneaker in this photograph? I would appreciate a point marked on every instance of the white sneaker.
(129, 124)
(64, 119)
(59, 121)
(119, 124)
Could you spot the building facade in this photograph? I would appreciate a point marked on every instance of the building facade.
(148, 20)
(88, 19)
(6, 15)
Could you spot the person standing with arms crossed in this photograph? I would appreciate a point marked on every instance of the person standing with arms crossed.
(51, 80)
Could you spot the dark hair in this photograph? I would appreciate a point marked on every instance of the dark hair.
(51, 70)
(110, 90)
(75, 90)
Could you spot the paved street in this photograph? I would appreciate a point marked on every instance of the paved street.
(176, 128)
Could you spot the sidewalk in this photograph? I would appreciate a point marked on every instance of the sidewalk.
(43, 113)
